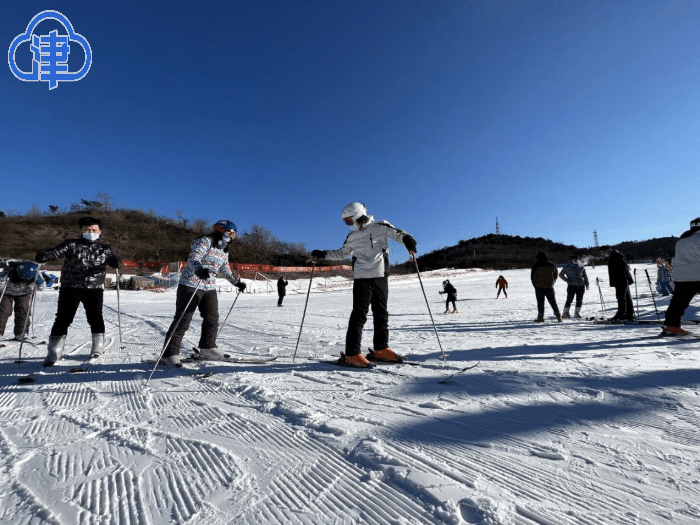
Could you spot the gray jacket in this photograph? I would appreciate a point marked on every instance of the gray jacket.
(574, 274)
(369, 247)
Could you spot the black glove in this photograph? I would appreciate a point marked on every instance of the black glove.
(114, 261)
(202, 273)
(241, 286)
(319, 254)
(410, 243)
(41, 257)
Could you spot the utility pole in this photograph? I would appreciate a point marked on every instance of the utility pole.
(595, 239)
(498, 229)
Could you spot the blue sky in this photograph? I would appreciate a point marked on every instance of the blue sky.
(557, 117)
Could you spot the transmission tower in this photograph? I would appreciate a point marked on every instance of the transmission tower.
(498, 229)
(595, 239)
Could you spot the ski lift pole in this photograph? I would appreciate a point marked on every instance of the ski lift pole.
(600, 291)
(415, 263)
(313, 268)
(658, 316)
(636, 296)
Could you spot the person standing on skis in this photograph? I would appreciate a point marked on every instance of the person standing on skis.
(686, 276)
(451, 292)
(197, 290)
(502, 286)
(82, 282)
(543, 277)
(664, 281)
(17, 283)
(574, 275)
(368, 244)
(281, 289)
(620, 278)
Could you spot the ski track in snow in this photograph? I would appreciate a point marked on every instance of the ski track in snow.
(570, 423)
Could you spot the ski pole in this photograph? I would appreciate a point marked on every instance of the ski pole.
(600, 291)
(636, 297)
(444, 357)
(7, 280)
(167, 341)
(29, 310)
(229, 313)
(313, 268)
(119, 310)
(652, 295)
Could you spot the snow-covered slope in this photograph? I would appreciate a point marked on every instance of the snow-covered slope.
(571, 423)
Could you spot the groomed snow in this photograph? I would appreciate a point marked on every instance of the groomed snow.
(571, 423)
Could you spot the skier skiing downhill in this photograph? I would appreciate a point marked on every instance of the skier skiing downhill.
(368, 245)
(197, 289)
(82, 281)
(686, 275)
(451, 292)
(502, 286)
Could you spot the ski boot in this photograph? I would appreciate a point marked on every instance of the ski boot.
(454, 311)
(357, 360)
(566, 314)
(674, 330)
(387, 355)
(171, 361)
(55, 350)
(577, 312)
(98, 346)
(213, 354)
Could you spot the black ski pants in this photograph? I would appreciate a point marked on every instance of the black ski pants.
(366, 293)
(207, 302)
(548, 293)
(280, 298)
(625, 306)
(21, 308)
(683, 294)
(574, 290)
(501, 289)
(451, 299)
(69, 299)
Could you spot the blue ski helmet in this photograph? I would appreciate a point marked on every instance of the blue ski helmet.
(223, 226)
(27, 271)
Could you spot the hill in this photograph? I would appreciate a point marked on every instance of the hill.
(504, 252)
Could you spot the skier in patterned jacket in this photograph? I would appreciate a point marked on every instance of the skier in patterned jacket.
(18, 282)
(82, 282)
(197, 290)
(368, 244)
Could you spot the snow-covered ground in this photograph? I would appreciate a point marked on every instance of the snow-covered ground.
(571, 423)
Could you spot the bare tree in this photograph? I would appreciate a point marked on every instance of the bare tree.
(106, 201)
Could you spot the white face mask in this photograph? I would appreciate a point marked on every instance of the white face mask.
(91, 236)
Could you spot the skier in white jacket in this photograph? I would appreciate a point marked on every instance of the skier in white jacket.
(686, 276)
(368, 244)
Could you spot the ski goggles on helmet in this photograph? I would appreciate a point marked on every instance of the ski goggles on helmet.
(349, 221)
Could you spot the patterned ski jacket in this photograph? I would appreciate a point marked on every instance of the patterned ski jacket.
(369, 247)
(16, 287)
(574, 274)
(204, 254)
(83, 264)
(686, 263)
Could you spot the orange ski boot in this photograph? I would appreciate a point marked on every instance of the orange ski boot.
(357, 360)
(675, 330)
(387, 355)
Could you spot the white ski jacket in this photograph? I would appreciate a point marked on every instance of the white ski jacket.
(369, 247)
(686, 263)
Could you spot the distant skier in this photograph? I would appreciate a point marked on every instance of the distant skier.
(281, 289)
(368, 244)
(543, 276)
(502, 286)
(574, 274)
(663, 277)
(82, 282)
(17, 283)
(620, 278)
(197, 290)
(686, 276)
(451, 292)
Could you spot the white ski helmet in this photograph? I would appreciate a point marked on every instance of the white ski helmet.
(352, 212)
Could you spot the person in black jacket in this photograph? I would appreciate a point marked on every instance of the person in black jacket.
(281, 289)
(543, 276)
(82, 282)
(451, 292)
(620, 278)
